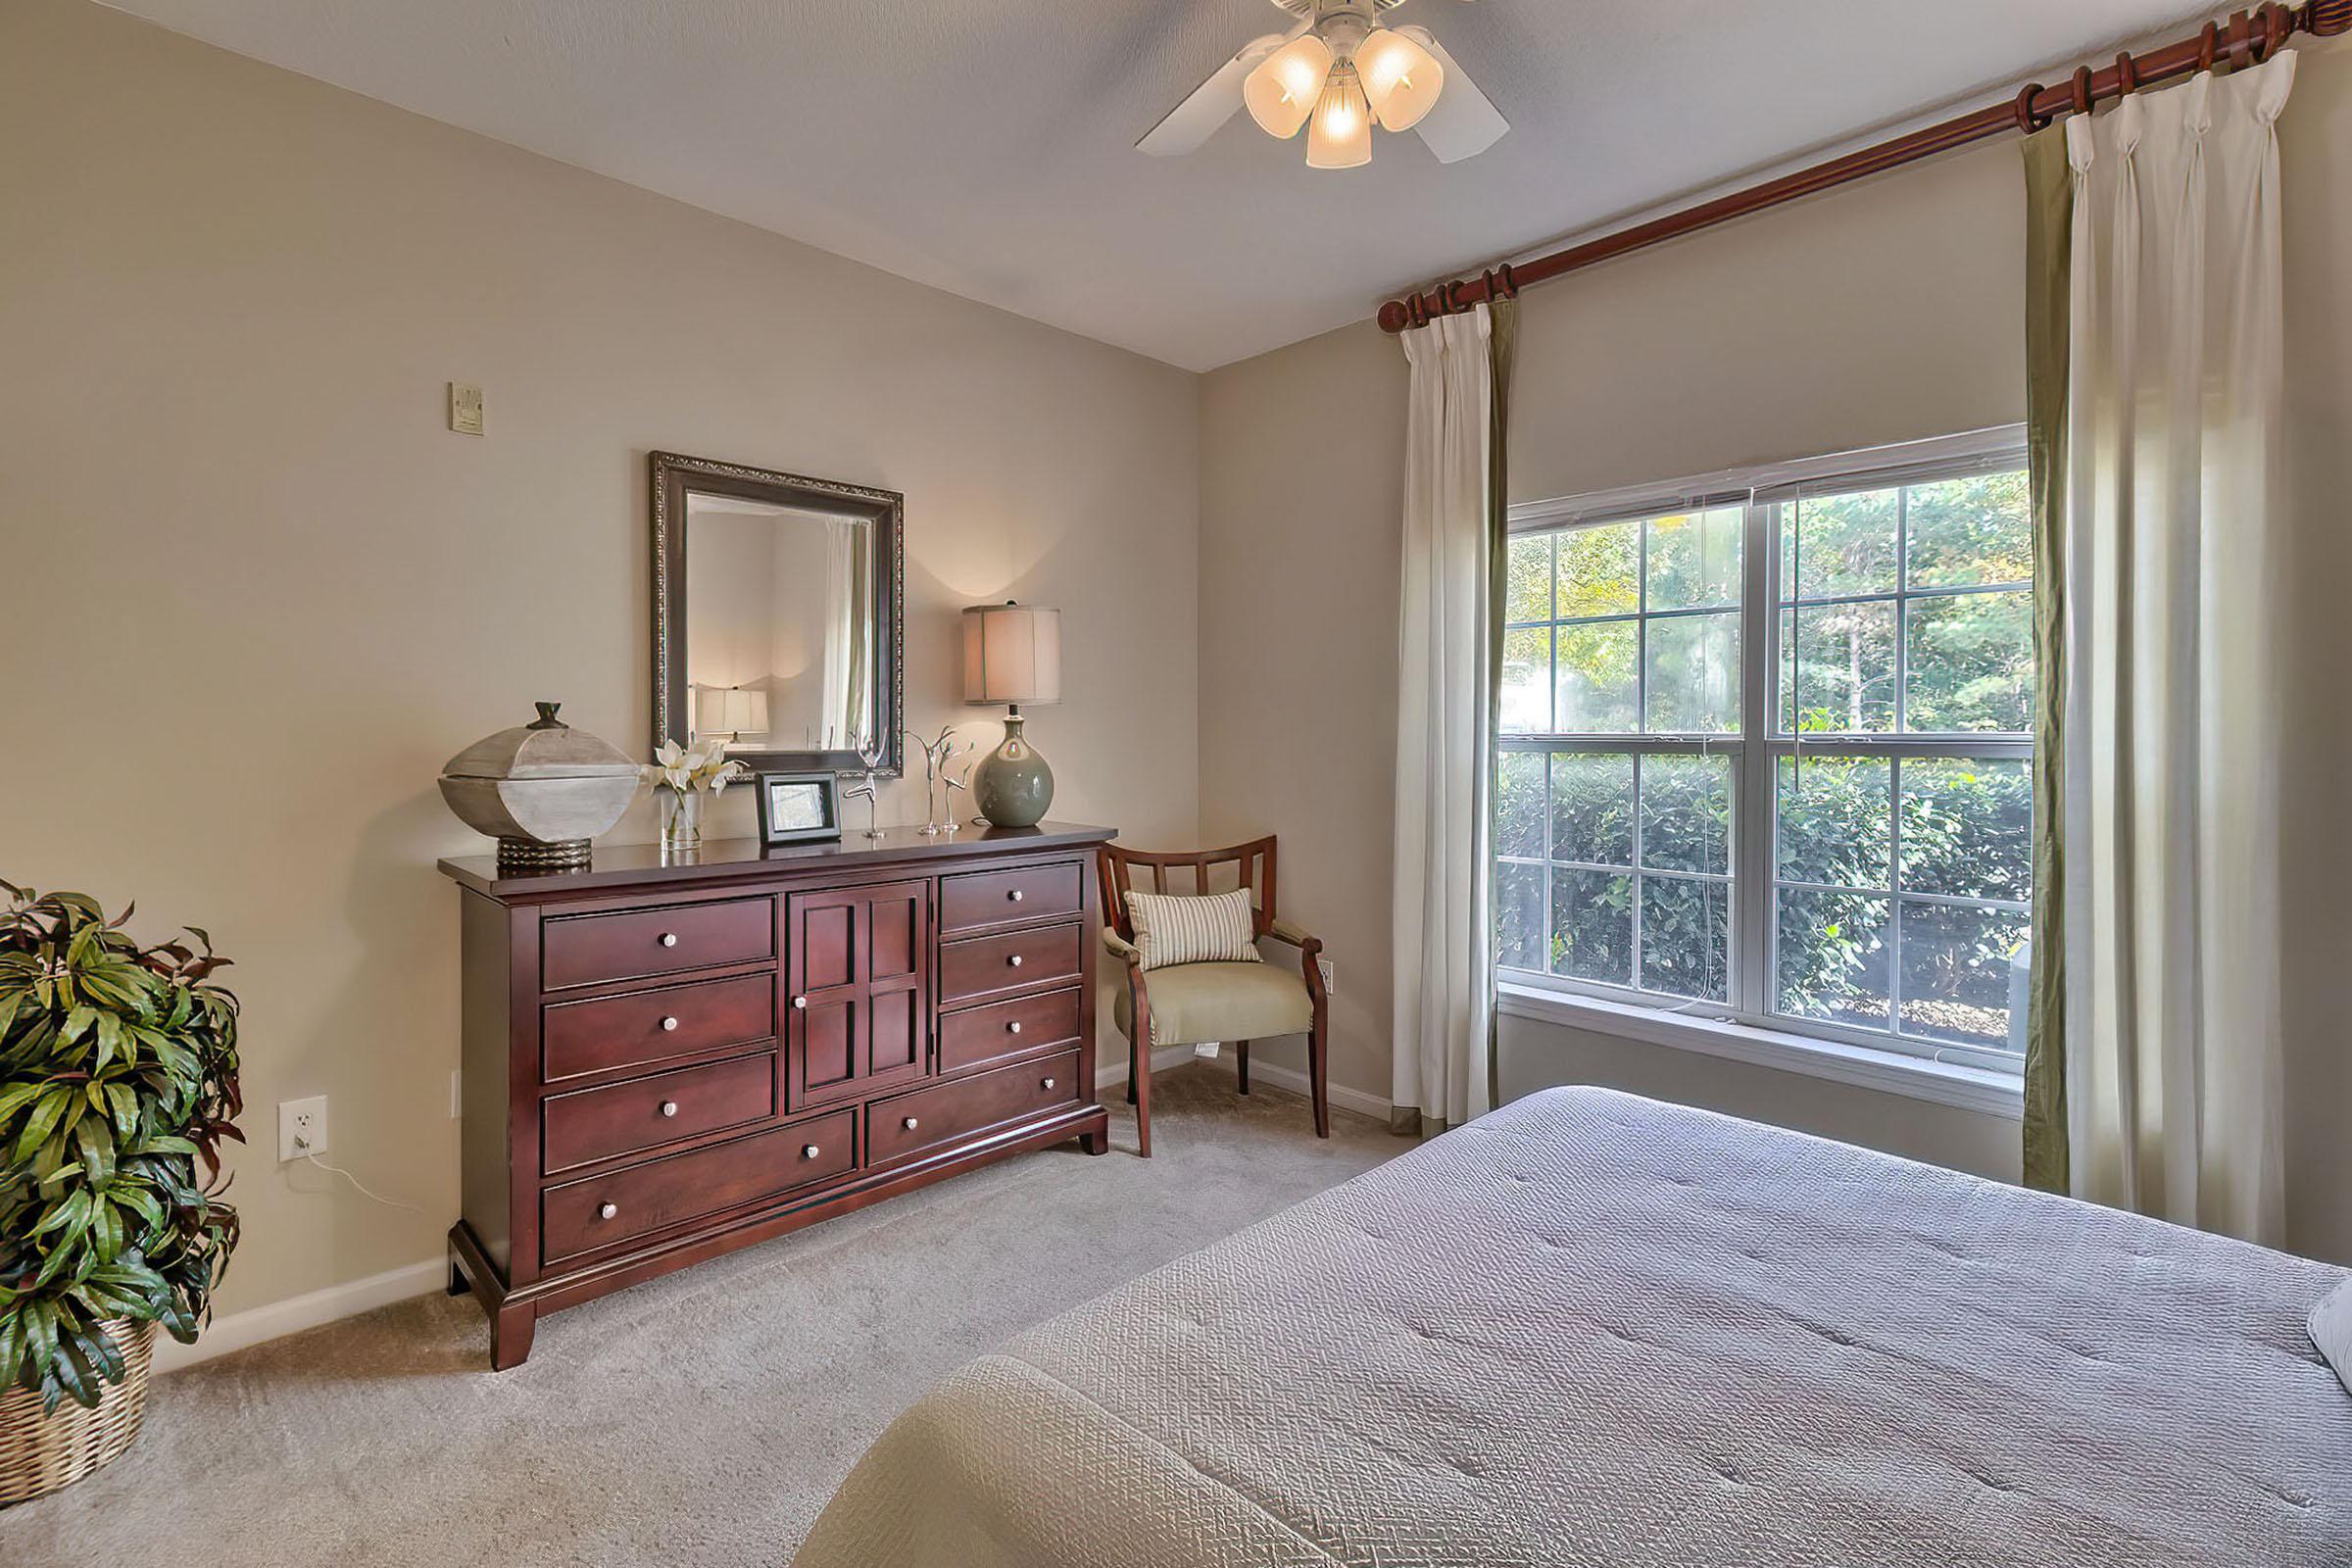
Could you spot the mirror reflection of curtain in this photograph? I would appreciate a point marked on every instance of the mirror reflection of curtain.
(848, 690)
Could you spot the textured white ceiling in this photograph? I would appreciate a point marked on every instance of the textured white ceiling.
(986, 146)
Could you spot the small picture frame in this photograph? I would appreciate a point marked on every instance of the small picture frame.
(798, 807)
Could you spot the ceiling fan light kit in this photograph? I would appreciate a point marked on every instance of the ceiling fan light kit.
(1334, 73)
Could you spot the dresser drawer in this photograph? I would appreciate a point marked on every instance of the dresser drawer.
(650, 1026)
(604, 1210)
(942, 1114)
(981, 967)
(579, 950)
(977, 900)
(591, 1124)
(978, 1035)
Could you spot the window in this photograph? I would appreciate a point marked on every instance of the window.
(1766, 748)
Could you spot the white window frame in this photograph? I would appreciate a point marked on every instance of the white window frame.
(1746, 1027)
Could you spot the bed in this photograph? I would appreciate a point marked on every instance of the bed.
(1591, 1329)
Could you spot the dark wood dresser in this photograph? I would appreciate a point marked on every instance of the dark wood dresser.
(665, 1061)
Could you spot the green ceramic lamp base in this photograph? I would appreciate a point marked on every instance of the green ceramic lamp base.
(1012, 786)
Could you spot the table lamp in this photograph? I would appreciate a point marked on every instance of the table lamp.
(1013, 655)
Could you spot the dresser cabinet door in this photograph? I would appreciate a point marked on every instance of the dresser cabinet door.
(858, 978)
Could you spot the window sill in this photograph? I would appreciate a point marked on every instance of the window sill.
(1891, 1072)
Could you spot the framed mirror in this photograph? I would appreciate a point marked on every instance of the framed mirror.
(777, 618)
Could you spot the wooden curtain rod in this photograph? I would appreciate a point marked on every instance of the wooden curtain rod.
(2246, 39)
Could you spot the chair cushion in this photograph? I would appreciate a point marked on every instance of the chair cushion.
(1193, 1004)
(1173, 928)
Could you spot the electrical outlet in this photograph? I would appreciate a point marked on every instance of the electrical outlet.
(301, 1127)
(1331, 976)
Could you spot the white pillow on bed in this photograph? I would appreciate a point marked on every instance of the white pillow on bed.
(2332, 1331)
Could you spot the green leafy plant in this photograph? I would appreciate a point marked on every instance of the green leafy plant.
(118, 1084)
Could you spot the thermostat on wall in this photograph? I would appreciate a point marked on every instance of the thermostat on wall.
(464, 407)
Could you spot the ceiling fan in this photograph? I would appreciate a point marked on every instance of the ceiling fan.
(1334, 73)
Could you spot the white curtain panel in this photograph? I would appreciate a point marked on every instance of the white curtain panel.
(848, 628)
(1444, 941)
(2172, 781)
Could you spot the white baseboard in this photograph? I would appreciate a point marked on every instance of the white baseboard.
(255, 1325)
(238, 1329)
(1291, 1078)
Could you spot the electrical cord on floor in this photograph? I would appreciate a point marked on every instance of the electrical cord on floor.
(337, 1170)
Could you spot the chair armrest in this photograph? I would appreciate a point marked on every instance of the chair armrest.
(1283, 931)
(1119, 948)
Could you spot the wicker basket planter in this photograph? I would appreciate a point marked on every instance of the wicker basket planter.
(39, 1452)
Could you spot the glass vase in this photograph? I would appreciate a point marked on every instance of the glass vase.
(681, 818)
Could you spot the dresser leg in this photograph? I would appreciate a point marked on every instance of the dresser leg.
(458, 1285)
(1094, 1143)
(511, 1336)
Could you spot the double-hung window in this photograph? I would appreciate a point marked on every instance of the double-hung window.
(1765, 747)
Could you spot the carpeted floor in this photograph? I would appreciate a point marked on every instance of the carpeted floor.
(698, 1419)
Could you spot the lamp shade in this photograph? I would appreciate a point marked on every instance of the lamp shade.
(1340, 136)
(1281, 91)
(731, 711)
(1402, 79)
(1011, 654)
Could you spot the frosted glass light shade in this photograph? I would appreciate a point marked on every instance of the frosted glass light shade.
(731, 711)
(1402, 79)
(1011, 654)
(1281, 91)
(1340, 135)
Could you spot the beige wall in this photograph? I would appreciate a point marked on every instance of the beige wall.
(257, 593)
(1886, 312)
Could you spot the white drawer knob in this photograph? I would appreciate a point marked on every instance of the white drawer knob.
(1048, 1084)
(669, 1108)
(1013, 1028)
(910, 1123)
(669, 939)
(809, 1151)
(668, 1024)
(606, 1211)
(800, 1004)
(1014, 895)
(1014, 960)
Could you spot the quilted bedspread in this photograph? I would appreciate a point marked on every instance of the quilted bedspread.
(1590, 1329)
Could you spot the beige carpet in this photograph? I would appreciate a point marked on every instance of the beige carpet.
(698, 1419)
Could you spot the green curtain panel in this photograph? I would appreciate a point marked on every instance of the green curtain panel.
(2050, 234)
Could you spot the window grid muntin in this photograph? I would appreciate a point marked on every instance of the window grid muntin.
(1550, 748)
(1641, 616)
(1751, 951)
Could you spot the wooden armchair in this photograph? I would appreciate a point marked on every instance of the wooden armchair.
(1200, 1002)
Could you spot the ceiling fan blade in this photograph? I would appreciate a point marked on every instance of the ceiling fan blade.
(1464, 122)
(1211, 104)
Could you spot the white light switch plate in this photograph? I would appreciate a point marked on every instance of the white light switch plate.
(301, 1127)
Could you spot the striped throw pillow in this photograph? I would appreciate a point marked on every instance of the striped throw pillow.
(1179, 928)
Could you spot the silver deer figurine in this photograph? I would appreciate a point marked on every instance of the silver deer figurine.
(937, 754)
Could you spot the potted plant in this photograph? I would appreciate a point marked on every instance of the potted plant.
(679, 775)
(118, 1083)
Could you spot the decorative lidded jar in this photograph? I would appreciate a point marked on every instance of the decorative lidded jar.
(543, 790)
